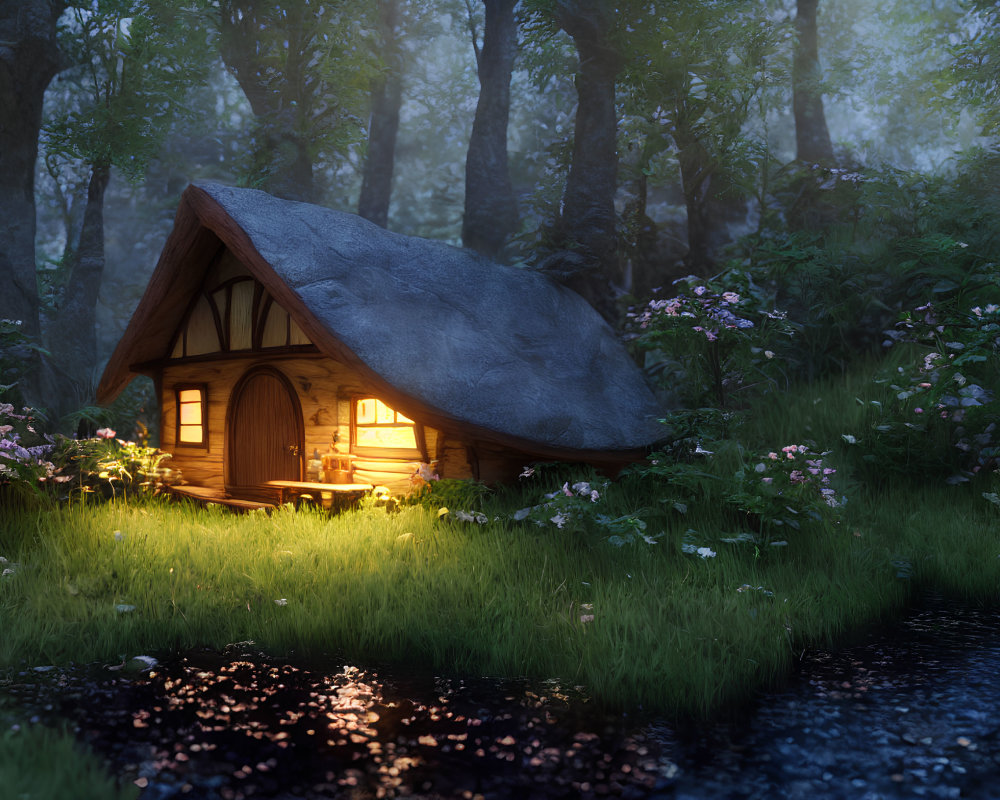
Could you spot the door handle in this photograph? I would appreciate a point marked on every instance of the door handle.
(293, 449)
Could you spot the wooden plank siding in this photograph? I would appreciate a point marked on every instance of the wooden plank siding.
(325, 389)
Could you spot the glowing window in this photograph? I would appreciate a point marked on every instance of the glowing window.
(379, 427)
(191, 427)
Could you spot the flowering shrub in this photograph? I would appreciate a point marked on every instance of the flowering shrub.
(32, 464)
(717, 340)
(24, 453)
(787, 488)
(110, 467)
(577, 508)
(942, 415)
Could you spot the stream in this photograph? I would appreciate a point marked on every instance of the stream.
(913, 710)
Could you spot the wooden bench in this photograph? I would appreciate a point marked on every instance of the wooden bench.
(341, 494)
(204, 495)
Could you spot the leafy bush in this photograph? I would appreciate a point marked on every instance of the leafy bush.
(36, 466)
(25, 463)
(942, 414)
(785, 490)
(453, 493)
(879, 240)
(15, 349)
(711, 341)
(578, 509)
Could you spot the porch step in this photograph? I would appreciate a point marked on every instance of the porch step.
(205, 495)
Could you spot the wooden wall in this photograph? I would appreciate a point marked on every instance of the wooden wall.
(325, 388)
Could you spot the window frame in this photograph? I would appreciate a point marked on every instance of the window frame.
(202, 388)
(419, 451)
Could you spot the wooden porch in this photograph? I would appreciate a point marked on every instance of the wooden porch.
(331, 496)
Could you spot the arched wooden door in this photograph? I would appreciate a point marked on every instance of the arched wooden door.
(265, 430)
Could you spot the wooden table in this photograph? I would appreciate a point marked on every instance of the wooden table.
(293, 490)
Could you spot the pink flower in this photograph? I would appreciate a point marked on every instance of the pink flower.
(730, 297)
(105, 433)
(767, 481)
(796, 476)
(918, 411)
(566, 490)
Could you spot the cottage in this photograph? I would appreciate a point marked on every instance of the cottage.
(277, 330)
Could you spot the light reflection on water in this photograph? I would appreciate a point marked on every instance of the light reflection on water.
(914, 712)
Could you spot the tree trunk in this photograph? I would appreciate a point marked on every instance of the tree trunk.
(587, 223)
(696, 180)
(72, 338)
(490, 209)
(29, 58)
(812, 136)
(282, 159)
(387, 97)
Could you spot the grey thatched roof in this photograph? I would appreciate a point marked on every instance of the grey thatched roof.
(500, 348)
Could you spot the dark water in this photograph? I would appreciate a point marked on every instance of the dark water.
(911, 712)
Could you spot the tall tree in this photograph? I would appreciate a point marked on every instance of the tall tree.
(812, 136)
(490, 208)
(383, 126)
(692, 80)
(300, 66)
(583, 245)
(29, 58)
(131, 63)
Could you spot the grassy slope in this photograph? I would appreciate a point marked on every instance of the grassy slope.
(671, 632)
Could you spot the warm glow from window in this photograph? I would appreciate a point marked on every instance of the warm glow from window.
(376, 425)
(190, 416)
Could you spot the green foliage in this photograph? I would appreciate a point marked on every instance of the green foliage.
(131, 62)
(15, 351)
(42, 763)
(851, 249)
(713, 342)
(25, 463)
(307, 70)
(450, 493)
(937, 416)
(107, 467)
(578, 511)
(974, 59)
(786, 489)
(36, 467)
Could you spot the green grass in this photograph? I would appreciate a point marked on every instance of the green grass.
(670, 631)
(673, 634)
(39, 763)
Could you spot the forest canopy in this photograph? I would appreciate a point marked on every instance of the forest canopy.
(839, 155)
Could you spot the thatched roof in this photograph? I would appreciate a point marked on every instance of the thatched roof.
(446, 333)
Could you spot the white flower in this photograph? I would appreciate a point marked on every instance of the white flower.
(848, 438)
(119, 536)
(705, 552)
(559, 520)
(594, 496)
(281, 602)
(768, 354)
